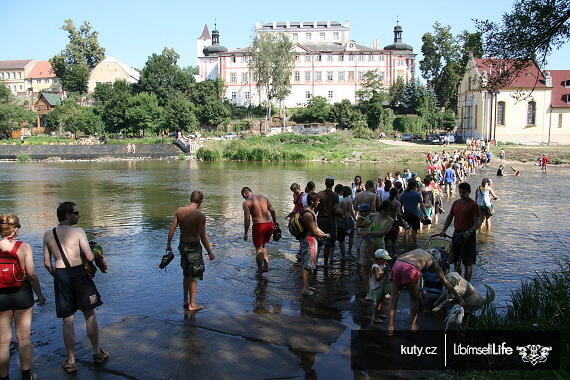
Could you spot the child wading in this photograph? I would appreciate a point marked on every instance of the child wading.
(379, 283)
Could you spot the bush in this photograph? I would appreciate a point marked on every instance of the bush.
(23, 157)
(408, 124)
(208, 155)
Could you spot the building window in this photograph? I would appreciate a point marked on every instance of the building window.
(567, 83)
(19, 75)
(531, 113)
(501, 113)
(361, 76)
(382, 58)
(400, 62)
(244, 77)
(38, 81)
(329, 75)
(308, 94)
(330, 95)
(297, 76)
(319, 76)
(559, 120)
(351, 57)
(234, 96)
(371, 57)
(233, 59)
(307, 58)
(330, 57)
(244, 58)
(307, 76)
(297, 58)
(54, 80)
(46, 80)
(322, 36)
(232, 77)
(351, 76)
(341, 58)
(319, 58)
(294, 36)
(7, 75)
(307, 36)
(382, 76)
(247, 95)
(255, 77)
(361, 58)
(336, 36)
(341, 76)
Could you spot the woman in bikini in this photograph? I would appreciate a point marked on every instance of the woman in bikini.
(407, 272)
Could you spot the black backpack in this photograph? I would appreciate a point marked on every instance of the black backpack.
(296, 227)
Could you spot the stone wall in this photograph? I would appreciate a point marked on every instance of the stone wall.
(89, 152)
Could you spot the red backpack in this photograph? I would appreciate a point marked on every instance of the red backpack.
(11, 273)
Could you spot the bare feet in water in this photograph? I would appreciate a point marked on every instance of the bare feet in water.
(194, 307)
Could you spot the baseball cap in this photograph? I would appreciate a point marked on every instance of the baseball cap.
(363, 207)
(382, 254)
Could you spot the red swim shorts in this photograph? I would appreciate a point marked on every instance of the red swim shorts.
(262, 233)
(405, 273)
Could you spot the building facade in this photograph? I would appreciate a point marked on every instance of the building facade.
(327, 63)
(534, 108)
(14, 74)
(109, 71)
(42, 79)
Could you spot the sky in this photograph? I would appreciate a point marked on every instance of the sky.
(132, 30)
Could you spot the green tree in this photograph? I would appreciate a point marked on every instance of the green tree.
(213, 111)
(180, 115)
(83, 52)
(445, 59)
(272, 62)
(346, 115)
(371, 87)
(66, 118)
(114, 109)
(163, 77)
(143, 114)
(532, 30)
(395, 93)
(12, 117)
(316, 111)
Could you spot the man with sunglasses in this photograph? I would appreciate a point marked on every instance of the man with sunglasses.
(74, 290)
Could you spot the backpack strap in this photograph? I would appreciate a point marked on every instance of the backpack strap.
(16, 247)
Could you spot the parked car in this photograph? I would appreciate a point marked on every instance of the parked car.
(231, 136)
(418, 136)
(406, 137)
(432, 136)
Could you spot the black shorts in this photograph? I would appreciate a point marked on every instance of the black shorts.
(74, 290)
(464, 249)
(413, 220)
(21, 298)
(392, 235)
(328, 228)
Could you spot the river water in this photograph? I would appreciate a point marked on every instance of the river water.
(127, 207)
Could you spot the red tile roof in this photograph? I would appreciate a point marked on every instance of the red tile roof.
(560, 78)
(530, 76)
(42, 69)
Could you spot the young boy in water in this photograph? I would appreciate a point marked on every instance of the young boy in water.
(379, 283)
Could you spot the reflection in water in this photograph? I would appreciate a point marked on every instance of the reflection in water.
(127, 207)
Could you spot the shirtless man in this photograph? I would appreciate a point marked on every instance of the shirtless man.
(258, 209)
(192, 231)
(74, 290)
(407, 272)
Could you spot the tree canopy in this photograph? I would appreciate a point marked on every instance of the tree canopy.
(83, 52)
(531, 31)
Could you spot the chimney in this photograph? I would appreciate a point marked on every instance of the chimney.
(547, 79)
(328, 24)
(314, 25)
(287, 24)
(274, 24)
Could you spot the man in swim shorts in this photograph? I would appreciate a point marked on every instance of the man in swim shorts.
(192, 224)
(74, 290)
(258, 209)
(407, 272)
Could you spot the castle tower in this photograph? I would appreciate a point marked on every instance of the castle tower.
(203, 41)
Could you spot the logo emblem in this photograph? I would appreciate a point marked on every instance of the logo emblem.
(534, 353)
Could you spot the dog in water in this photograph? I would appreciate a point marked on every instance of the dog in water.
(454, 319)
(473, 300)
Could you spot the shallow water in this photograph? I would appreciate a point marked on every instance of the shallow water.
(127, 207)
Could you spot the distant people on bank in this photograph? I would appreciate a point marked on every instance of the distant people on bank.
(74, 290)
(18, 283)
(192, 224)
(257, 209)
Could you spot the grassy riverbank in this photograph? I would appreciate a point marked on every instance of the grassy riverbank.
(344, 147)
(339, 146)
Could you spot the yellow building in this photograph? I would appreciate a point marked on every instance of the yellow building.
(532, 108)
(42, 79)
(14, 74)
(110, 70)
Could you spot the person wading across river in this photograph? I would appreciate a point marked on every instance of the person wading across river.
(258, 209)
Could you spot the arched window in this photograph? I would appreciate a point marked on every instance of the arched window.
(531, 113)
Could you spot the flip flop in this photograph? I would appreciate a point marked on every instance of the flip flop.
(393, 333)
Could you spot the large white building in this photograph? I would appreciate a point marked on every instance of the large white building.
(327, 63)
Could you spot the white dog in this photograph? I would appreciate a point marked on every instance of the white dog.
(454, 319)
(473, 300)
